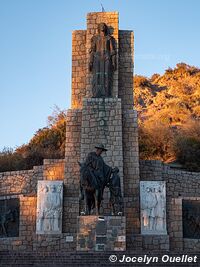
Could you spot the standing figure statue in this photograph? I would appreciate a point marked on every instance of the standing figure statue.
(49, 209)
(53, 204)
(102, 62)
(149, 208)
(116, 200)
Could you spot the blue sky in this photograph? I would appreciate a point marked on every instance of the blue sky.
(35, 51)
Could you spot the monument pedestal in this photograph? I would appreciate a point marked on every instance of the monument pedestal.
(155, 242)
(101, 233)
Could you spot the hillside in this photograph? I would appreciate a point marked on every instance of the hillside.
(173, 97)
(169, 123)
(169, 115)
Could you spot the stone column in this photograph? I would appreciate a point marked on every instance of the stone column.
(78, 68)
(71, 179)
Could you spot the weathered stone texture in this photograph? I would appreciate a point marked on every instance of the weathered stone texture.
(72, 176)
(53, 169)
(72, 152)
(107, 233)
(20, 182)
(191, 245)
(126, 52)
(26, 226)
(78, 68)
(131, 173)
(175, 224)
(155, 242)
(102, 123)
(179, 182)
(179, 185)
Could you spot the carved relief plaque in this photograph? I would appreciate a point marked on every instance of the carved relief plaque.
(153, 207)
(191, 219)
(9, 217)
(49, 207)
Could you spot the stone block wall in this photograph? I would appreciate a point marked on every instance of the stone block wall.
(25, 182)
(72, 152)
(26, 227)
(53, 169)
(180, 185)
(126, 52)
(23, 186)
(131, 173)
(155, 242)
(178, 242)
(78, 68)
(20, 182)
(107, 233)
(72, 174)
(28, 240)
(102, 123)
(175, 223)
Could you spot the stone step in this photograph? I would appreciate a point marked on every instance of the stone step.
(66, 259)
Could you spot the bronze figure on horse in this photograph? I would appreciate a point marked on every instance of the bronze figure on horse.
(95, 175)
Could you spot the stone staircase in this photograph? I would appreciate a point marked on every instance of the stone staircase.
(75, 259)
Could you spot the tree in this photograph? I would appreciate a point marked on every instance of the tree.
(48, 142)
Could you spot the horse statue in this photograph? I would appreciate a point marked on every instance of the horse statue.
(90, 190)
(5, 218)
(116, 200)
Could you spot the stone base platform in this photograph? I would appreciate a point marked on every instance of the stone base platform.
(101, 233)
(87, 259)
(155, 242)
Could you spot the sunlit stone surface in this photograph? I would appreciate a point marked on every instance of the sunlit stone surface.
(153, 207)
(49, 207)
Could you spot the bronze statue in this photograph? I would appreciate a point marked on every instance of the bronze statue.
(102, 62)
(5, 218)
(116, 200)
(95, 175)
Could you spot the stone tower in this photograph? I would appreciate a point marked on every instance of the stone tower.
(111, 121)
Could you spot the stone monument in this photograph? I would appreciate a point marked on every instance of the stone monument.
(102, 113)
(44, 210)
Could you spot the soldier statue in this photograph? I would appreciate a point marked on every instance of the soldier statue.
(102, 62)
(95, 176)
(98, 168)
